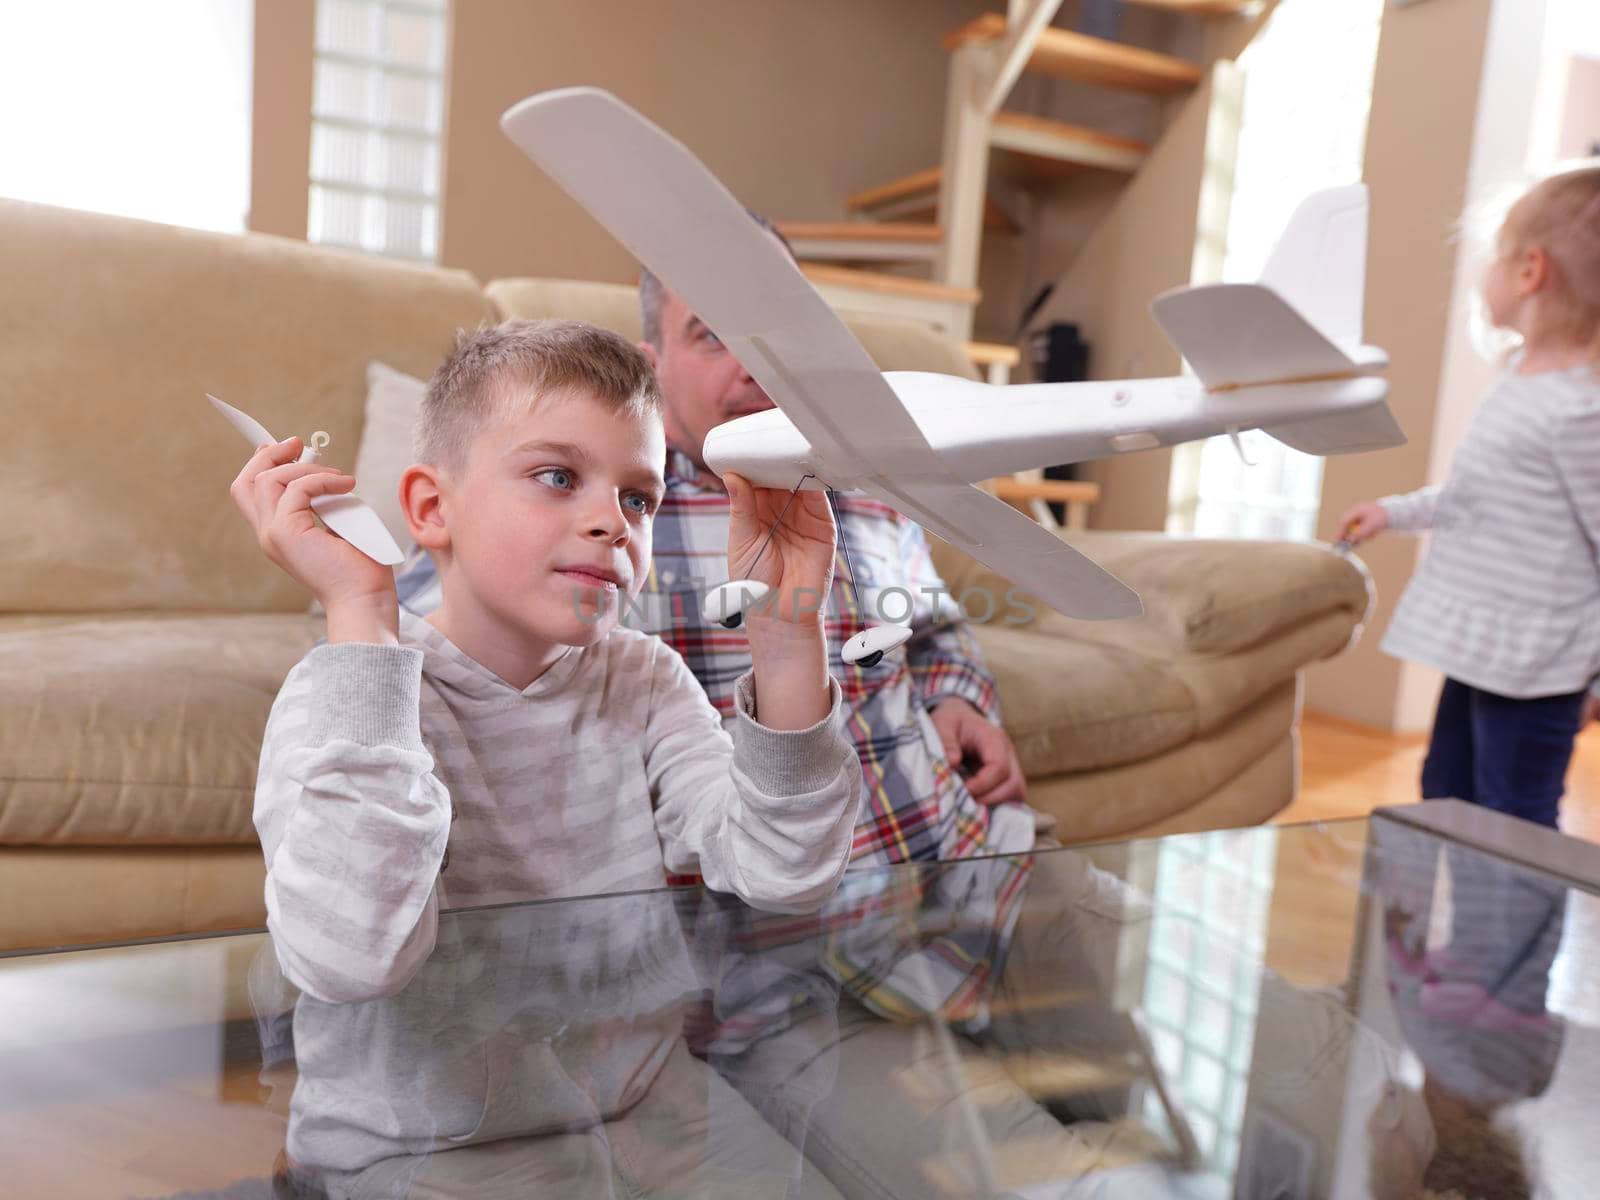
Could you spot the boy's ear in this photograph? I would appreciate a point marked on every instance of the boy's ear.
(422, 501)
(649, 352)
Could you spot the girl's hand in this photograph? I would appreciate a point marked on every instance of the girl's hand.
(274, 492)
(1363, 522)
(797, 564)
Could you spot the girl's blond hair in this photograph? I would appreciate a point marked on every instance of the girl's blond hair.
(1561, 215)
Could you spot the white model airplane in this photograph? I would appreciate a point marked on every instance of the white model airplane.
(1283, 355)
(347, 515)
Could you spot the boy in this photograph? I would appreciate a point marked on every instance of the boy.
(517, 744)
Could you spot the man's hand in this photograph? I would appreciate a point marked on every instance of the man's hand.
(1363, 522)
(972, 740)
(274, 493)
(1590, 711)
(798, 563)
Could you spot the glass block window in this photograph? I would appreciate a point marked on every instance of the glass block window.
(1207, 940)
(1302, 127)
(376, 122)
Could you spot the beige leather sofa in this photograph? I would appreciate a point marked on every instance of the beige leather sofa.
(143, 636)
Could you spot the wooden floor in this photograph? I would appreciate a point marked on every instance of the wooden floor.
(1347, 770)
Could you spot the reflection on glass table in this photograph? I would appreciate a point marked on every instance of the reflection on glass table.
(1356, 1009)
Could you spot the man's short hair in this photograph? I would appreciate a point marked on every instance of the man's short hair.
(651, 291)
(494, 368)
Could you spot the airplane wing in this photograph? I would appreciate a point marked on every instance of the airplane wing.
(1022, 550)
(656, 198)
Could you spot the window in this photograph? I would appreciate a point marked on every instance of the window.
(142, 110)
(1302, 126)
(377, 115)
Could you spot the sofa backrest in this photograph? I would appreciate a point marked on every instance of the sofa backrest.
(113, 468)
(895, 344)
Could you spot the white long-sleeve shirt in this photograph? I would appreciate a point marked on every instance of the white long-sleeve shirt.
(1507, 596)
(607, 773)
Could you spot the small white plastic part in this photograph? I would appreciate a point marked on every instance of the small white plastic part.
(1238, 447)
(314, 446)
(726, 603)
(347, 515)
(869, 646)
(1124, 443)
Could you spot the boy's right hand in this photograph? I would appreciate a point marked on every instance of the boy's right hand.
(274, 492)
(1363, 522)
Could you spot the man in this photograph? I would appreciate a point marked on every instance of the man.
(941, 778)
(941, 782)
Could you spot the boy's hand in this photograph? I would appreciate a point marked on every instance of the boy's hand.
(797, 564)
(1590, 711)
(1363, 522)
(274, 493)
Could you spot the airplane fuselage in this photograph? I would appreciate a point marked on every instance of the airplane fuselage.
(980, 432)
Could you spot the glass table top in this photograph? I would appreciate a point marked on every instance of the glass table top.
(1366, 1008)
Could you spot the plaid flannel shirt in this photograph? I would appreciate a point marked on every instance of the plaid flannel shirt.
(915, 806)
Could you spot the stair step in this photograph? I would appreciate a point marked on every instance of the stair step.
(860, 231)
(1088, 59)
(889, 285)
(1202, 8)
(903, 188)
(986, 354)
(864, 241)
(938, 304)
(1040, 137)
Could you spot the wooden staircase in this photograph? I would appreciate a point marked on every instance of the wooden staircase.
(929, 226)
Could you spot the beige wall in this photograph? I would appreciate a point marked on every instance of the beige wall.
(793, 105)
(280, 122)
(1431, 152)
(1580, 120)
(1143, 248)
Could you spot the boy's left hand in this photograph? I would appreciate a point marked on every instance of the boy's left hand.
(797, 564)
(1591, 710)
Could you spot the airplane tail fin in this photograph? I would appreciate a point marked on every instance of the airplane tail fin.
(1320, 263)
(1302, 319)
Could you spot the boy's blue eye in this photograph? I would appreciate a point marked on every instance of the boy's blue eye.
(556, 477)
(641, 503)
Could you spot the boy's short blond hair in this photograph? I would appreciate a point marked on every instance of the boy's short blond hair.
(494, 369)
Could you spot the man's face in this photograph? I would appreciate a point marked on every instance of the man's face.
(702, 385)
(549, 520)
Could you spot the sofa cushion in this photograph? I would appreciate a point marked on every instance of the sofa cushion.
(1250, 761)
(114, 471)
(1071, 705)
(393, 401)
(141, 729)
(1201, 595)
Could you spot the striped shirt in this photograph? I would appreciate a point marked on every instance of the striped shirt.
(399, 780)
(1507, 596)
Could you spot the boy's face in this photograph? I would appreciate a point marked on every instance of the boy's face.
(549, 520)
